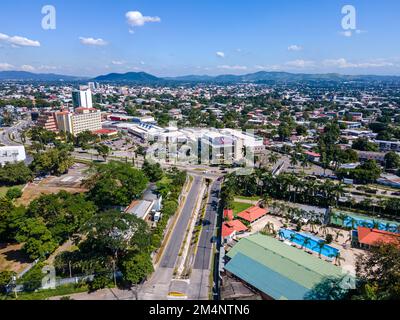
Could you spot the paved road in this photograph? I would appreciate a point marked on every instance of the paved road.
(203, 256)
(174, 245)
(200, 285)
(159, 285)
(4, 136)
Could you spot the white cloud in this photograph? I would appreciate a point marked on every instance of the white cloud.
(137, 19)
(300, 64)
(93, 42)
(220, 54)
(295, 47)
(27, 68)
(5, 66)
(18, 41)
(270, 68)
(117, 62)
(227, 67)
(344, 64)
(47, 68)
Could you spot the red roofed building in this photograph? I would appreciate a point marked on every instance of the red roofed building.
(105, 132)
(228, 215)
(312, 156)
(253, 214)
(232, 228)
(368, 237)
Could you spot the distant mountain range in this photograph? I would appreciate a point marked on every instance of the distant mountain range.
(146, 78)
(128, 77)
(26, 76)
(262, 76)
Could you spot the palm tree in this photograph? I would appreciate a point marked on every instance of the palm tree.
(306, 242)
(304, 162)
(321, 246)
(292, 237)
(338, 234)
(273, 158)
(375, 224)
(353, 223)
(293, 162)
(338, 258)
(342, 218)
(281, 234)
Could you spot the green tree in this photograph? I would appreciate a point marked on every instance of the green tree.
(14, 193)
(12, 174)
(5, 279)
(137, 267)
(103, 151)
(153, 171)
(378, 273)
(53, 161)
(38, 240)
(362, 144)
(392, 160)
(115, 184)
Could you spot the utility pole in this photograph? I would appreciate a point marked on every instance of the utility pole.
(115, 277)
(14, 279)
(70, 269)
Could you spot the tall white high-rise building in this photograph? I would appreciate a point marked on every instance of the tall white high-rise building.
(82, 98)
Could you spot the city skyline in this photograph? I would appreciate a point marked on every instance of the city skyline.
(200, 38)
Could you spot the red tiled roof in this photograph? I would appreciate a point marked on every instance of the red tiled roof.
(230, 227)
(253, 214)
(228, 214)
(370, 236)
(104, 131)
(312, 154)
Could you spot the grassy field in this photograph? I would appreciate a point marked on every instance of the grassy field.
(255, 198)
(239, 207)
(3, 190)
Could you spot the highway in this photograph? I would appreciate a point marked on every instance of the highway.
(172, 250)
(4, 136)
(200, 285)
(159, 285)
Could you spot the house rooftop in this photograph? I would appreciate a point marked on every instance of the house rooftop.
(371, 237)
(230, 227)
(252, 214)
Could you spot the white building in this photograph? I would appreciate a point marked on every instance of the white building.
(12, 154)
(84, 119)
(82, 98)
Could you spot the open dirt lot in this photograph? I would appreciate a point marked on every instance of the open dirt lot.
(70, 182)
(12, 259)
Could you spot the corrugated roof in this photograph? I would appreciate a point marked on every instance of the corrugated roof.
(292, 263)
(265, 279)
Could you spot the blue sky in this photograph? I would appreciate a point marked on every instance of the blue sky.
(176, 37)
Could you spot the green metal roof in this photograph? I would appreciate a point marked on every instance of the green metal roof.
(265, 279)
(292, 263)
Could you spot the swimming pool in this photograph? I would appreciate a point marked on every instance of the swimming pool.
(299, 238)
(354, 221)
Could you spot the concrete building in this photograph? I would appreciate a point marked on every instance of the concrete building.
(388, 145)
(12, 154)
(48, 121)
(84, 119)
(82, 98)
